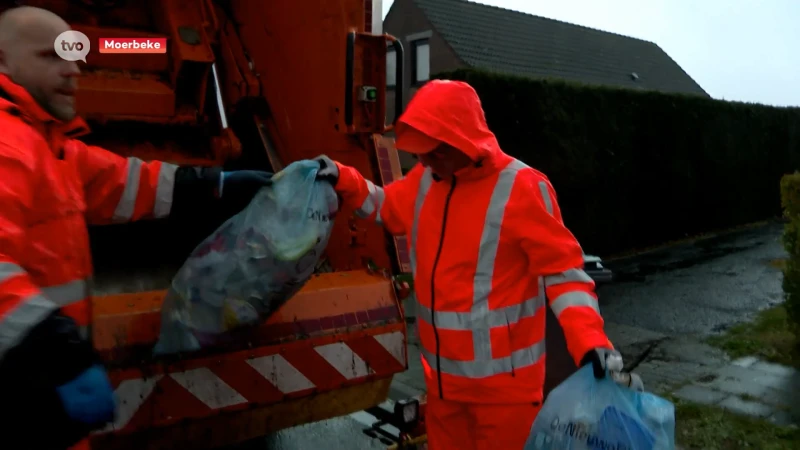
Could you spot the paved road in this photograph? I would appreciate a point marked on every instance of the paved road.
(700, 287)
(344, 433)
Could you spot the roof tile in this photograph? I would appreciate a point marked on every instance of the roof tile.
(503, 40)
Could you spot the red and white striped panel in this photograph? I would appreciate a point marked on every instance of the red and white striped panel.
(292, 371)
(389, 165)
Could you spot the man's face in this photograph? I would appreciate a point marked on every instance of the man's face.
(444, 161)
(31, 62)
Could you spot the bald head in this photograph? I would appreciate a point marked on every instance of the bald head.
(28, 57)
(27, 21)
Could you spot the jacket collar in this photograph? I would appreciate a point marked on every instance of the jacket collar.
(488, 165)
(15, 100)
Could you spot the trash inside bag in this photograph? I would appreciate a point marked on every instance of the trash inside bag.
(584, 413)
(252, 264)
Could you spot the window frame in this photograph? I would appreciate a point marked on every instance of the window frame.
(391, 53)
(415, 44)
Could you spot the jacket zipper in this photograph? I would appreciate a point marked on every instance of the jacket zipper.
(433, 287)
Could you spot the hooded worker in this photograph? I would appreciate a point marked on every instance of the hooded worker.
(489, 252)
(53, 386)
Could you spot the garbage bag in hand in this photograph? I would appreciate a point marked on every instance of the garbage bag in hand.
(252, 264)
(584, 413)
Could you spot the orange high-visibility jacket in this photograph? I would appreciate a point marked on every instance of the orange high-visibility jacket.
(489, 251)
(50, 186)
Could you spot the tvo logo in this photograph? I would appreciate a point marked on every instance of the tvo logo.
(72, 46)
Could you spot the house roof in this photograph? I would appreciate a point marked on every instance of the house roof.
(503, 40)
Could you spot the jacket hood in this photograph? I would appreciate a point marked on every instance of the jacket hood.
(451, 112)
(18, 102)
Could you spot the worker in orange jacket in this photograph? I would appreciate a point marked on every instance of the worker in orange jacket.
(53, 386)
(489, 252)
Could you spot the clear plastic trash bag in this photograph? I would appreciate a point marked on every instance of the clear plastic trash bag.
(252, 264)
(584, 413)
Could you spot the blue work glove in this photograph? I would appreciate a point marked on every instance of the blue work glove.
(242, 184)
(328, 170)
(89, 397)
(45, 379)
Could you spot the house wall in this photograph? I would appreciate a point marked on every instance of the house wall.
(407, 22)
(373, 16)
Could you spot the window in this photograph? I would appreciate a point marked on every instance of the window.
(391, 68)
(421, 60)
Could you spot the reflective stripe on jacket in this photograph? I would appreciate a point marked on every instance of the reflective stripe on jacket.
(50, 186)
(489, 251)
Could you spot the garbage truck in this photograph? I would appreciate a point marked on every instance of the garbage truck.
(244, 84)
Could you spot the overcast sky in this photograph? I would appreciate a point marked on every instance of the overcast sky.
(745, 50)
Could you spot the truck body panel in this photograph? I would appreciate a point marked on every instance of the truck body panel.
(246, 84)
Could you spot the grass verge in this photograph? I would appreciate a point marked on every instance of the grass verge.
(704, 427)
(768, 337)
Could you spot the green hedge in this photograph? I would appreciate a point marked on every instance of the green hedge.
(635, 168)
(790, 199)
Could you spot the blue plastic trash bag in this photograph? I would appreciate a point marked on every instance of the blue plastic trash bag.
(584, 413)
(252, 264)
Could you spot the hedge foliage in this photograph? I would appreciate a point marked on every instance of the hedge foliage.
(790, 199)
(637, 168)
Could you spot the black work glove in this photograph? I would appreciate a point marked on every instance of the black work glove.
(328, 170)
(243, 184)
(198, 191)
(37, 379)
(603, 360)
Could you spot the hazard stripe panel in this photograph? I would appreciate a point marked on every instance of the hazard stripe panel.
(284, 376)
(344, 360)
(293, 370)
(390, 170)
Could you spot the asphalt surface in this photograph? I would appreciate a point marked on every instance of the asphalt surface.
(697, 288)
(344, 433)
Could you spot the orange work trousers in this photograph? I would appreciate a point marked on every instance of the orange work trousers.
(474, 426)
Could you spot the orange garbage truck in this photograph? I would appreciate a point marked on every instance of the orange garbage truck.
(246, 84)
